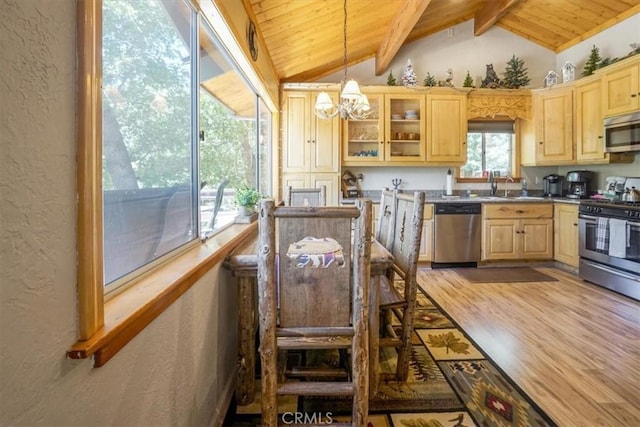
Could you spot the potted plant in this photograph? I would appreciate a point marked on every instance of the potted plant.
(246, 199)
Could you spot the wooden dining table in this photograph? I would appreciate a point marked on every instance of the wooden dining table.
(243, 265)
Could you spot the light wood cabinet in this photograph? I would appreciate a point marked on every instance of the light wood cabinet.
(553, 126)
(589, 129)
(565, 234)
(588, 125)
(426, 240)
(315, 180)
(392, 134)
(446, 128)
(517, 231)
(621, 87)
(309, 143)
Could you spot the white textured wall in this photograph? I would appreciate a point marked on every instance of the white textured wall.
(461, 51)
(176, 371)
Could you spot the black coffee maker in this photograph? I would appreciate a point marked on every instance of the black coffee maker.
(553, 185)
(579, 183)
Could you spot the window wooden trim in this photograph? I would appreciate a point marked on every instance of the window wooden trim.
(89, 174)
(105, 327)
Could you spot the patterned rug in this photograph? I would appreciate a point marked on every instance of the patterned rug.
(451, 384)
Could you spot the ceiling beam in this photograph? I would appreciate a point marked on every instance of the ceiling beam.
(490, 14)
(408, 14)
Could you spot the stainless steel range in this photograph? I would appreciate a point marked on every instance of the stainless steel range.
(610, 245)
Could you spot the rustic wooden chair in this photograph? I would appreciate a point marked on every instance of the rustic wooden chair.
(307, 196)
(313, 293)
(398, 290)
(386, 216)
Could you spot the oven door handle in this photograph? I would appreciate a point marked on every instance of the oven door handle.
(588, 217)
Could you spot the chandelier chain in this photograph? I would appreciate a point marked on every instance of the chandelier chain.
(345, 41)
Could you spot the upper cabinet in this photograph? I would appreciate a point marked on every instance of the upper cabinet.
(621, 87)
(404, 133)
(589, 129)
(309, 143)
(407, 127)
(392, 133)
(553, 125)
(447, 128)
(363, 140)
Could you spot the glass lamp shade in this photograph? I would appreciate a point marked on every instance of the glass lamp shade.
(351, 90)
(364, 103)
(323, 102)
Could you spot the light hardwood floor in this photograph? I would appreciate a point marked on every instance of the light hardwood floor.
(573, 347)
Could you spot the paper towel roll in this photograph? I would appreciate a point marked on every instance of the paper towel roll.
(449, 189)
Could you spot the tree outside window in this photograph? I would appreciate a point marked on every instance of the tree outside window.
(489, 148)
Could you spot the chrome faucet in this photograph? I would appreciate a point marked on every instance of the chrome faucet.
(506, 181)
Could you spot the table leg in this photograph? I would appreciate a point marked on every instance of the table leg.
(374, 335)
(247, 314)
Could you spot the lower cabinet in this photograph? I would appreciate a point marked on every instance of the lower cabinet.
(314, 180)
(566, 234)
(517, 231)
(426, 241)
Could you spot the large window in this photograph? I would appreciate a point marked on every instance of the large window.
(181, 130)
(490, 148)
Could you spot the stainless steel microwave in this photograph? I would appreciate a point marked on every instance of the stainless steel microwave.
(622, 133)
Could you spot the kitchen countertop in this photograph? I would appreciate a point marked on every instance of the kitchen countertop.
(432, 198)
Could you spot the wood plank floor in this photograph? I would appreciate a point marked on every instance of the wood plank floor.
(573, 347)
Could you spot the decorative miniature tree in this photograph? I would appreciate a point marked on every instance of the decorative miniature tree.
(515, 75)
(391, 81)
(430, 80)
(409, 76)
(593, 62)
(468, 81)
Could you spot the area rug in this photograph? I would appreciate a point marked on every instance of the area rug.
(452, 383)
(503, 275)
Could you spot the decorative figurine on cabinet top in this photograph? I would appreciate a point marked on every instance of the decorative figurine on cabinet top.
(568, 72)
(551, 79)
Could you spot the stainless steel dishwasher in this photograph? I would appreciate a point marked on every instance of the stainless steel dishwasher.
(457, 234)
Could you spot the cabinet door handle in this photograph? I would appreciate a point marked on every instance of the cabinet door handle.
(381, 142)
(518, 211)
(540, 142)
(633, 95)
(313, 141)
(575, 224)
(599, 136)
(308, 141)
(464, 142)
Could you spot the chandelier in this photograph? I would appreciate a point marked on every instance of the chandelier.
(353, 104)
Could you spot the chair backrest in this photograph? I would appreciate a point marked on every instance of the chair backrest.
(307, 196)
(316, 260)
(405, 244)
(386, 218)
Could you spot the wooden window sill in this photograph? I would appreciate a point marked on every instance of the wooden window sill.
(128, 313)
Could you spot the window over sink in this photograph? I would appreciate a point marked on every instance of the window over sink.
(490, 147)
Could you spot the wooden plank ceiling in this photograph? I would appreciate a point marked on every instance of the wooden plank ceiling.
(304, 38)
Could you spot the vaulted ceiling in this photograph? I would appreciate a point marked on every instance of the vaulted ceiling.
(304, 38)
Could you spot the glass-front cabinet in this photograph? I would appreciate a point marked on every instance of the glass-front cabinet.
(364, 139)
(404, 136)
(392, 133)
